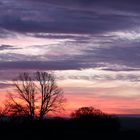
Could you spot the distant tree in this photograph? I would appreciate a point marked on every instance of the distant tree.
(36, 95)
(86, 111)
(90, 118)
(87, 118)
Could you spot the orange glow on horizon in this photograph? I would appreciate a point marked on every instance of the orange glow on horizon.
(107, 104)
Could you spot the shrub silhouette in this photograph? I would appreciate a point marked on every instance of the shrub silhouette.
(87, 112)
(94, 119)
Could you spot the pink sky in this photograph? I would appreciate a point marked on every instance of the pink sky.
(92, 47)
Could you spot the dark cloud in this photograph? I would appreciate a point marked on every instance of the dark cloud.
(58, 16)
(92, 17)
(128, 56)
(8, 57)
(7, 47)
(88, 3)
(41, 65)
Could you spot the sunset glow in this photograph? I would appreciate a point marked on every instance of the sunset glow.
(94, 56)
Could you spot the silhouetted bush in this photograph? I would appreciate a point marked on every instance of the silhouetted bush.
(94, 119)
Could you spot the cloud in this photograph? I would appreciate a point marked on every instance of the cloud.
(6, 34)
(7, 47)
(40, 65)
(95, 34)
(5, 85)
(127, 56)
(106, 55)
(105, 77)
(90, 17)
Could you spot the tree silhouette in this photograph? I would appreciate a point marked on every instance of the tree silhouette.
(51, 95)
(86, 111)
(23, 103)
(36, 95)
(90, 118)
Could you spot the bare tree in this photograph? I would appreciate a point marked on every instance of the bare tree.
(51, 95)
(36, 95)
(23, 103)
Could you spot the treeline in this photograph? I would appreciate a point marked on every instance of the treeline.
(83, 119)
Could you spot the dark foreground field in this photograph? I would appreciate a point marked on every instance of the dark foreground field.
(58, 128)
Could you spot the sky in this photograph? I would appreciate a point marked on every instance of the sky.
(93, 46)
